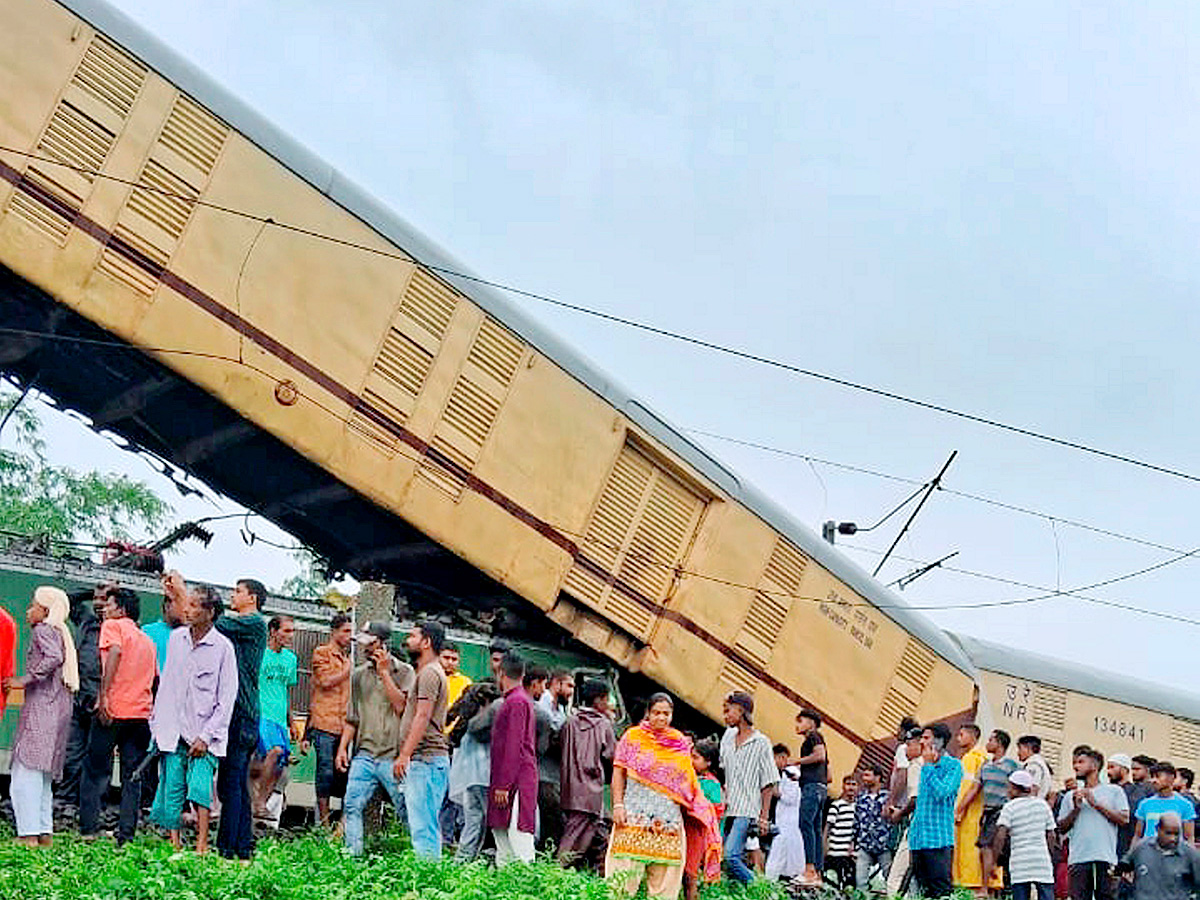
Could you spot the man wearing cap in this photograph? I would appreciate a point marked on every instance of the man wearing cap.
(1090, 816)
(1118, 768)
(931, 833)
(1165, 868)
(1027, 824)
(750, 779)
(379, 692)
(814, 788)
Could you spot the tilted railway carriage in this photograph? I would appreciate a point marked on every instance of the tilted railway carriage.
(409, 424)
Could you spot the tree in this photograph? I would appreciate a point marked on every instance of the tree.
(37, 497)
(310, 582)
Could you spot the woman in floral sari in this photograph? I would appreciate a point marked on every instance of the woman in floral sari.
(659, 808)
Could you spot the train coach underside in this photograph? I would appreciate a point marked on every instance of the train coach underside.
(144, 406)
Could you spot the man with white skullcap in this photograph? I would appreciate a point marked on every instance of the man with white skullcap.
(1027, 823)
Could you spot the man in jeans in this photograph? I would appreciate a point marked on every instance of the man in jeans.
(872, 834)
(123, 707)
(247, 631)
(750, 779)
(424, 758)
(379, 691)
(1090, 816)
(814, 780)
(331, 671)
(931, 834)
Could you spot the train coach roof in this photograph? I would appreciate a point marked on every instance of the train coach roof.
(1075, 677)
(349, 196)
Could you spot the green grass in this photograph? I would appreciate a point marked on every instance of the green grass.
(304, 868)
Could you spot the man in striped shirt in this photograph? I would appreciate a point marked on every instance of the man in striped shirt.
(839, 835)
(1027, 823)
(750, 779)
(931, 834)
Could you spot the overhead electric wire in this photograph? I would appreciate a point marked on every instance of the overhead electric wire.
(978, 498)
(585, 538)
(670, 334)
(1055, 592)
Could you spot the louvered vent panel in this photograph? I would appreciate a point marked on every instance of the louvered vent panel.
(194, 134)
(896, 705)
(785, 569)
(628, 613)
(110, 77)
(369, 428)
(916, 665)
(667, 522)
(36, 215)
(130, 273)
(1049, 708)
(404, 364)
(80, 135)
(765, 619)
(1185, 741)
(611, 524)
(470, 413)
(157, 211)
(640, 530)
(906, 687)
(429, 303)
(407, 355)
(735, 677)
(1052, 754)
(476, 399)
(165, 204)
(496, 352)
(75, 138)
(779, 586)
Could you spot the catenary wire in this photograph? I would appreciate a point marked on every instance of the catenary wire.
(977, 498)
(650, 559)
(1053, 592)
(678, 336)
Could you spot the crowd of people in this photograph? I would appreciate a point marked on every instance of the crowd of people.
(196, 708)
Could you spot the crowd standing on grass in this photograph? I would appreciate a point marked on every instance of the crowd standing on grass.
(196, 708)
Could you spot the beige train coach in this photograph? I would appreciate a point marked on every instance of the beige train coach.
(1066, 705)
(202, 287)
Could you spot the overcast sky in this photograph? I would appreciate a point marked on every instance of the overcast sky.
(987, 205)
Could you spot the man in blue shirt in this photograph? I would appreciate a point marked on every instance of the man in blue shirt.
(931, 833)
(1164, 799)
(173, 615)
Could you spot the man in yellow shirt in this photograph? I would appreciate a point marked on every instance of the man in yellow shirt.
(456, 681)
(968, 871)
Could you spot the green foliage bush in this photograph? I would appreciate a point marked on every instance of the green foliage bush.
(305, 868)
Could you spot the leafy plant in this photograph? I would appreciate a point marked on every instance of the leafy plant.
(312, 866)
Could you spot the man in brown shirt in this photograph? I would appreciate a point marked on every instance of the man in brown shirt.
(331, 667)
(424, 758)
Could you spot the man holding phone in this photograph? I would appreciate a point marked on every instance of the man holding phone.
(379, 691)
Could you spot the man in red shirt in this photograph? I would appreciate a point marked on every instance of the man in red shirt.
(128, 666)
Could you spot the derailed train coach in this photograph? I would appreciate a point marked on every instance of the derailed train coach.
(199, 285)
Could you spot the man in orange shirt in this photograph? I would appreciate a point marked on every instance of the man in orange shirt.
(128, 667)
(331, 670)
